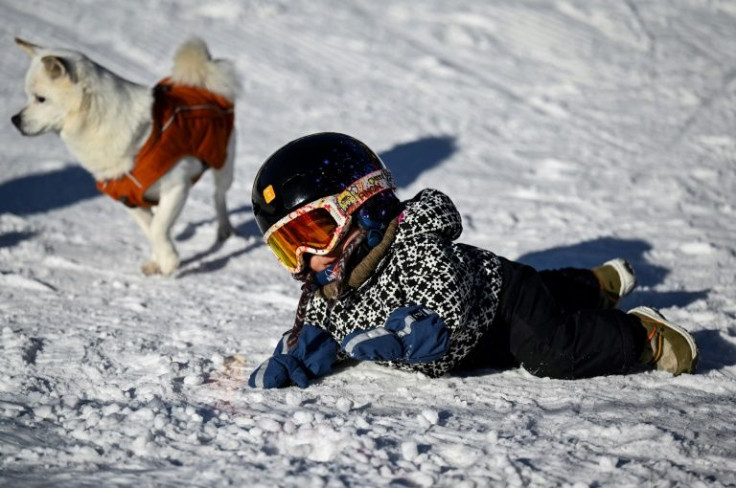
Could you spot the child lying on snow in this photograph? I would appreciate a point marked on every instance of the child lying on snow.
(384, 281)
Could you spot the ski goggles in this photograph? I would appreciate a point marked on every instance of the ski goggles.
(317, 227)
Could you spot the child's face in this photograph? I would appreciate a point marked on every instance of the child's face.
(319, 263)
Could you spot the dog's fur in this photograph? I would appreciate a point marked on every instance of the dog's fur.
(104, 119)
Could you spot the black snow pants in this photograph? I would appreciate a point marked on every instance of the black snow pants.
(550, 323)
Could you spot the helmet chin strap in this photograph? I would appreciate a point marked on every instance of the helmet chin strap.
(327, 275)
(374, 230)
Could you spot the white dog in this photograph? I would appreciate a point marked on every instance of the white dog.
(144, 147)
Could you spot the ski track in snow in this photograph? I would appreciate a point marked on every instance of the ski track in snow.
(567, 132)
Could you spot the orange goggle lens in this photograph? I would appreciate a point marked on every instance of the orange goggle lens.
(317, 227)
(311, 231)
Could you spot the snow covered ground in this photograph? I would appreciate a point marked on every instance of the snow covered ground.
(567, 132)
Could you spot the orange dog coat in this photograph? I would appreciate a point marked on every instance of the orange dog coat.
(187, 121)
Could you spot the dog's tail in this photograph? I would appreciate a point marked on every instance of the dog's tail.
(193, 65)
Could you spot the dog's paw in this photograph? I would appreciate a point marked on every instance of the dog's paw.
(151, 268)
(169, 264)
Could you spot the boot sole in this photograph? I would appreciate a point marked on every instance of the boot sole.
(654, 314)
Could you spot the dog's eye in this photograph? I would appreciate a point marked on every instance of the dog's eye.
(40, 99)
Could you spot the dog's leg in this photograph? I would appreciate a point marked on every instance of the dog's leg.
(143, 217)
(165, 257)
(223, 179)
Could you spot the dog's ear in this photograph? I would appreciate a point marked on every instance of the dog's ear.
(57, 67)
(27, 47)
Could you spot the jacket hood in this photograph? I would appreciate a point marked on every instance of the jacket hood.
(430, 211)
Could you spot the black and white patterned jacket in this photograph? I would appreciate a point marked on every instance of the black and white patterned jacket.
(422, 266)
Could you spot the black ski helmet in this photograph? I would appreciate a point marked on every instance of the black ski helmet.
(313, 167)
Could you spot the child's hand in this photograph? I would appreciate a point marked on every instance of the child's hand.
(377, 344)
(313, 356)
(411, 334)
(277, 371)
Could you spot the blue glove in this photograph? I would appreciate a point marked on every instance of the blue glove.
(377, 344)
(313, 356)
(315, 349)
(411, 335)
(278, 371)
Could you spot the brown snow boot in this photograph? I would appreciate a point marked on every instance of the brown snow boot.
(616, 278)
(670, 347)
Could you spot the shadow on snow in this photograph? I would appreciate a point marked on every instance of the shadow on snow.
(408, 161)
(41, 193)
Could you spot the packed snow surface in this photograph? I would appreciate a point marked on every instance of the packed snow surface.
(567, 132)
